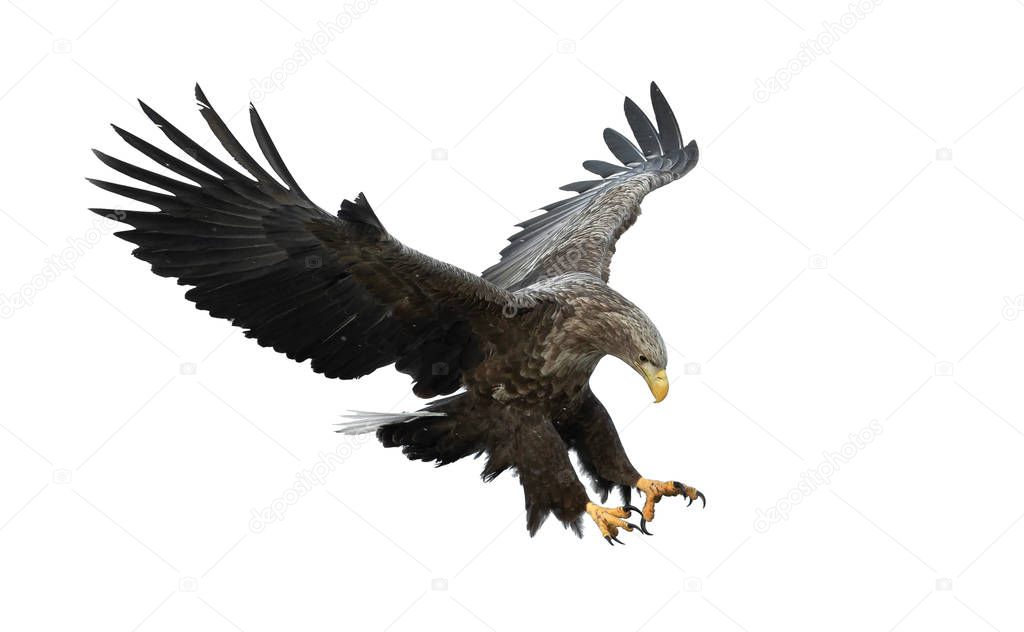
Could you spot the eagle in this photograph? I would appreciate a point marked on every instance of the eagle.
(505, 356)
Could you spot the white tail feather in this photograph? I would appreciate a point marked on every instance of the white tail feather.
(362, 422)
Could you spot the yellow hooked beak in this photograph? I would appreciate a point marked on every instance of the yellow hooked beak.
(658, 383)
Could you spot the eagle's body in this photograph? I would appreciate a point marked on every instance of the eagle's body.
(519, 342)
(556, 361)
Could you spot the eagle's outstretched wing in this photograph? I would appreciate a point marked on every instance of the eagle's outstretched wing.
(578, 234)
(337, 290)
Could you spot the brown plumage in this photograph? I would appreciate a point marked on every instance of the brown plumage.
(519, 342)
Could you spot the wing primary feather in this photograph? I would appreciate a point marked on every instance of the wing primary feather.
(624, 150)
(581, 186)
(164, 159)
(668, 127)
(228, 140)
(189, 146)
(692, 156)
(602, 168)
(642, 128)
(211, 184)
(144, 175)
(160, 200)
(270, 152)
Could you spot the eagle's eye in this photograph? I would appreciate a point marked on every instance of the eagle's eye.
(643, 359)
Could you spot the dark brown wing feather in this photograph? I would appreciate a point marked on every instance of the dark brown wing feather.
(336, 290)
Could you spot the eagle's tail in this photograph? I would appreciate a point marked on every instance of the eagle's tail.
(362, 421)
(443, 432)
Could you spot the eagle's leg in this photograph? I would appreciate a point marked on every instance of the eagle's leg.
(531, 444)
(520, 438)
(591, 433)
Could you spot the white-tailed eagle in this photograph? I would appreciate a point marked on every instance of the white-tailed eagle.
(516, 344)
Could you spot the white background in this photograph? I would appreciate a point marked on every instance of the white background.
(848, 251)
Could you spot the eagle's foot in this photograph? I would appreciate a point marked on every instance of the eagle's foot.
(610, 519)
(655, 490)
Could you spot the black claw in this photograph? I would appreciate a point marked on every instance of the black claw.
(690, 501)
(608, 538)
(636, 527)
(631, 508)
(679, 486)
(704, 501)
(643, 526)
(618, 540)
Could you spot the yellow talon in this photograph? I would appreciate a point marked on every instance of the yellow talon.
(609, 520)
(655, 490)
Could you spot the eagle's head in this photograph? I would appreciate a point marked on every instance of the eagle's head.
(607, 323)
(640, 346)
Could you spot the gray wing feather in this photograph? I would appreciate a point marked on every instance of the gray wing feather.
(643, 129)
(578, 234)
(624, 150)
(668, 127)
(602, 168)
